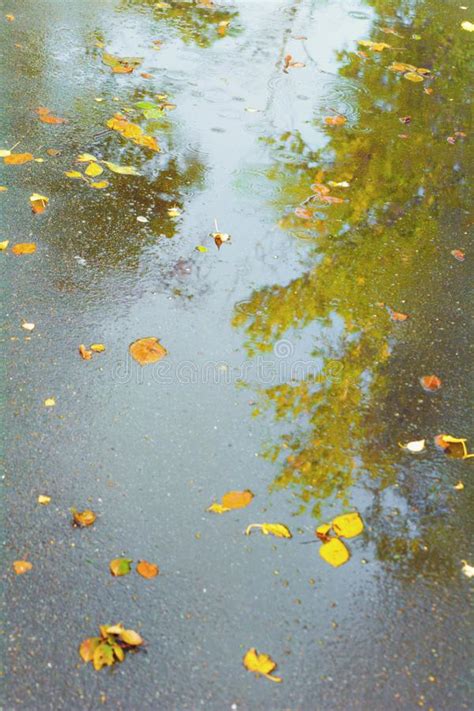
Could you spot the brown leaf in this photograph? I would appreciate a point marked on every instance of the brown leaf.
(147, 350)
(147, 570)
(21, 566)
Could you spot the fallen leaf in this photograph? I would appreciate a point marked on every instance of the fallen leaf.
(275, 529)
(132, 131)
(4, 152)
(467, 569)
(98, 347)
(220, 238)
(46, 116)
(200, 248)
(93, 170)
(100, 185)
(18, 158)
(303, 213)
(374, 46)
(466, 25)
(397, 315)
(232, 500)
(334, 552)
(121, 169)
(85, 158)
(4, 245)
(455, 447)
(3, 189)
(430, 383)
(323, 531)
(42, 499)
(28, 326)
(260, 664)
(10, 18)
(415, 446)
(145, 75)
(39, 203)
(53, 152)
(131, 637)
(147, 570)
(459, 486)
(24, 248)
(88, 647)
(120, 566)
(50, 402)
(122, 69)
(147, 350)
(458, 254)
(21, 566)
(289, 63)
(217, 508)
(83, 518)
(85, 354)
(73, 174)
(103, 656)
(335, 120)
(405, 119)
(174, 211)
(348, 525)
(413, 76)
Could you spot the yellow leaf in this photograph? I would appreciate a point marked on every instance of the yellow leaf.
(4, 152)
(21, 566)
(200, 248)
(93, 170)
(103, 656)
(4, 245)
(121, 169)
(459, 486)
(322, 532)
(147, 350)
(85, 158)
(3, 189)
(174, 211)
(217, 508)
(413, 76)
(275, 529)
(375, 46)
(131, 637)
(88, 647)
(348, 525)
(42, 499)
(101, 184)
(50, 402)
(237, 499)
(468, 26)
(98, 347)
(334, 552)
(28, 326)
(73, 174)
(402, 67)
(38, 203)
(467, 569)
(83, 518)
(260, 664)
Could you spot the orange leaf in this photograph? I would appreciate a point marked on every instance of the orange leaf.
(430, 382)
(46, 116)
(147, 350)
(122, 69)
(18, 158)
(24, 248)
(87, 355)
(21, 566)
(397, 316)
(237, 499)
(83, 518)
(458, 254)
(147, 570)
(335, 120)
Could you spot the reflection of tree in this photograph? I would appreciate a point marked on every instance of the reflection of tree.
(198, 23)
(373, 248)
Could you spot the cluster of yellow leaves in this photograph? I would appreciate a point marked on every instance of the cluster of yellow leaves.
(333, 550)
(232, 500)
(132, 131)
(94, 169)
(409, 71)
(260, 664)
(110, 647)
(147, 350)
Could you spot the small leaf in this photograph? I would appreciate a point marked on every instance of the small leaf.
(83, 518)
(4, 245)
(85, 354)
(24, 248)
(260, 664)
(102, 656)
(28, 326)
(335, 120)
(413, 76)
(174, 211)
(147, 570)
(46, 116)
(38, 203)
(85, 158)
(73, 174)
(415, 446)
(88, 647)
(121, 169)
(132, 638)
(111, 629)
(43, 499)
(200, 248)
(275, 529)
(220, 238)
(22, 566)
(468, 26)
(458, 254)
(120, 566)
(459, 486)
(100, 185)
(467, 569)
(147, 350)
(98, 347)
(237, 499)
(93, 170)
(334, 552)
(348, 525)
(430, 383)
(217, 508)
(118, 651)
(50, 402)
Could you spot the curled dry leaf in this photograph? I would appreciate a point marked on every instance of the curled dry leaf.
(24, 248)
(459, 486)
(18, 158)
(220, 238)
(334, 552)
(147, 570)
(83, 518)
(38, 203)
(260, 664)
(415, 446)
(338, 120)
(131, 638)
(275, 529)
(85, 354)
(120, 566)
(430, 383)
(21, 566)
(455, 447)
(147, 350)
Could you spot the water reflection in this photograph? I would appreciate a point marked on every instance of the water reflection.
(372, 206)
